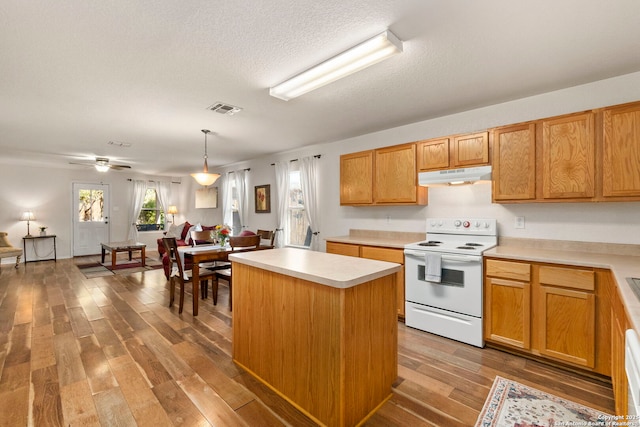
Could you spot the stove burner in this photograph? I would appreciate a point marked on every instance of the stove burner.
(473, 244)
(466, 247)
(430, 243)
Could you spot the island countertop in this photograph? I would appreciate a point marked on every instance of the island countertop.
(327, 269)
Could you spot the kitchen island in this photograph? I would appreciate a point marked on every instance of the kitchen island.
(319, 329)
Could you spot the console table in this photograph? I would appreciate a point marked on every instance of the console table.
(33, 240)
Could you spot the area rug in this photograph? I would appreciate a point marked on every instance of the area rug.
(92, 269)
(511, 404)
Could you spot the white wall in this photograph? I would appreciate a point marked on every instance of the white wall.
(617, 222)
(48, 191)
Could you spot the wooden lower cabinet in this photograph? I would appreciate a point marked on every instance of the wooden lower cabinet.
(560, 313)
(377, 253)
(507, 317)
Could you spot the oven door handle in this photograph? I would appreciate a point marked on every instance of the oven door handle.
(449, 257)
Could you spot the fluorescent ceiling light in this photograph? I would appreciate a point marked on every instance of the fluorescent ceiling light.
(348, 62)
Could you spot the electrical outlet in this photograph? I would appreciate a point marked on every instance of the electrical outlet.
(519, 222)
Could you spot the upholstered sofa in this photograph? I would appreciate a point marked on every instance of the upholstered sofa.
(7, 250)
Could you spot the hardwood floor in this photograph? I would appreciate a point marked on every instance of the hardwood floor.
(109, 351)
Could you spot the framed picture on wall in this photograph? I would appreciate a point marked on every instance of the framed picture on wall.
(207, 198)
(263, 198)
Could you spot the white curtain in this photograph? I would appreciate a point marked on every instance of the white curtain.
(243, 196)
(139, 190)
(282, 190)
(227, 199)
(163, 190)
(308, 181)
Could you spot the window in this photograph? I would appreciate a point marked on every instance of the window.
(91, 206)
(297, 224)
(236, 227)
(151, 215)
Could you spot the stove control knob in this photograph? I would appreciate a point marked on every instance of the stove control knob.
(477, 224)
(457, 223)
(486, 225)
(466, 224)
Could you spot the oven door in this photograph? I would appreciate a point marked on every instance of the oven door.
(460, 289)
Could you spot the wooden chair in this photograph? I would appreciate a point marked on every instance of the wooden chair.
(183, 276)
(204, 237)
(267, 236)
(238, 244)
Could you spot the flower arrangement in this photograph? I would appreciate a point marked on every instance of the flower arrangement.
(43, 230)
(223, 231)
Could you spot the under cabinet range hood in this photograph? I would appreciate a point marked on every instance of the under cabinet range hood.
(455, 176)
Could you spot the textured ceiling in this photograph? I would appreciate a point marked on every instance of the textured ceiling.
(77, 74)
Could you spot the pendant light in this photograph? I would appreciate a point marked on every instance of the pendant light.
(205, 178)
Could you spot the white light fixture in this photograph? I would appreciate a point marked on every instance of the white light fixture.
(348, 62)
(173, 210)
(205, 178)
(28, 216)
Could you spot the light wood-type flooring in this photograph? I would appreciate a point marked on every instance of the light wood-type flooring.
(109, 351)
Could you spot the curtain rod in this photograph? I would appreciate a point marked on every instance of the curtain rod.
(317, 156)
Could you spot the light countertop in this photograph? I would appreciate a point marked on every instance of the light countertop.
(622, 266)
(327, 269)
(386, 239)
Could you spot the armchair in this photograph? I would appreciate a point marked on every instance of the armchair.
(7, 250)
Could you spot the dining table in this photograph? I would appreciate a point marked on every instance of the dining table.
(206, 253)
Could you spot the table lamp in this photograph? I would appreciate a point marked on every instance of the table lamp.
(173, 210)
(28, 216)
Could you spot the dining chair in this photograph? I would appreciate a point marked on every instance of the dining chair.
(183, 276)
(204, 237)
(207, 237)
(238, 244)
(267, 236)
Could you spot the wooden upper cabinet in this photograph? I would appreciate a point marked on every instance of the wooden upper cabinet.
(433, 154)
(396, 178)
(383, 176)
(356, 178)
(514, 162)
(621, 151)
(469, 150)
(568, 157)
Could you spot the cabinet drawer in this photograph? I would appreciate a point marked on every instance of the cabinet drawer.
(343, 249)
(382, 254)
(509, 270)
(567, 277)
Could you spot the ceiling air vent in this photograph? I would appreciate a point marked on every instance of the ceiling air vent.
(227, 109)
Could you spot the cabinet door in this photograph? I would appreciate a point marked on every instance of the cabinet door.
(433, 154)
(621, 152)
(508, 312)
(396, 177)
(343, 249)
(389, 255)
(514, 162)
(356, 178)
(618, 375)
(567, 325)
(470, 150)
(568, 157)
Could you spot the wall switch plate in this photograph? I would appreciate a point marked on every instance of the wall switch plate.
(519, 222)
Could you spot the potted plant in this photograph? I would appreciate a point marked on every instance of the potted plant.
(43, 231)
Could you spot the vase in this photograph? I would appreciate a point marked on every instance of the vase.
(43, 233)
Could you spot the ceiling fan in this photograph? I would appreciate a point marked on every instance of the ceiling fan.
(102, 164)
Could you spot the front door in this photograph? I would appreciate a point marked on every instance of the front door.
(90, 218)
